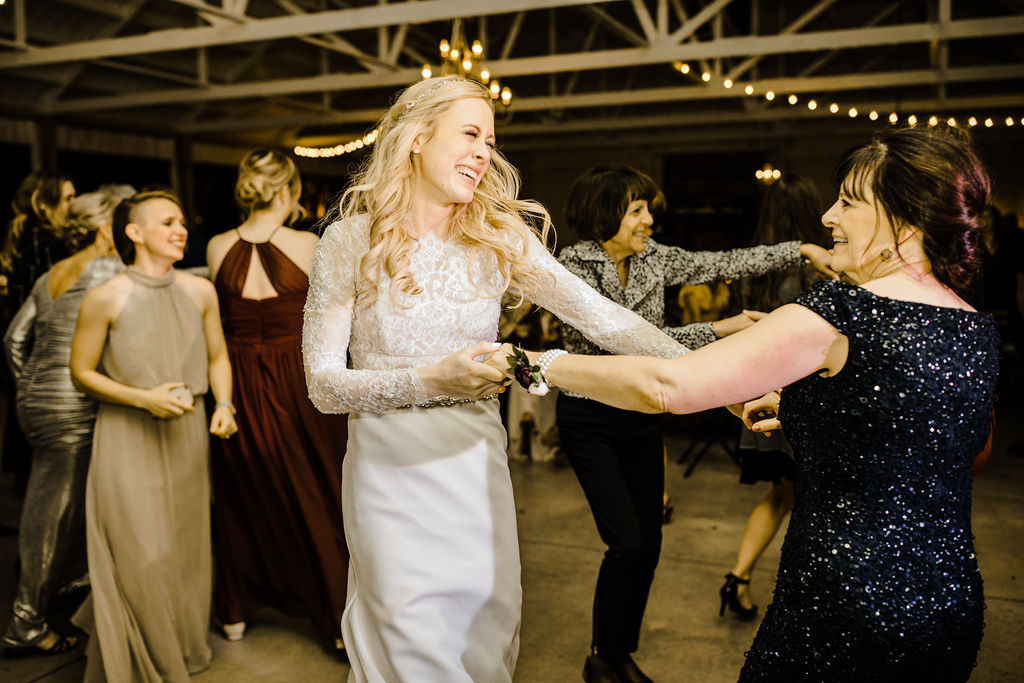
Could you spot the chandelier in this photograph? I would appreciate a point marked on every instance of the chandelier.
(457, 57)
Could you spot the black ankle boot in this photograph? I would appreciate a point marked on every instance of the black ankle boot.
(728, 595)
(596, 670)
(626, 669)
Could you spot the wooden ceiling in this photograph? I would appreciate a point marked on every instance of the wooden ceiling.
(319, 72)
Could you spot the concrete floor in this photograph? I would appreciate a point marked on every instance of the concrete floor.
(684, 639)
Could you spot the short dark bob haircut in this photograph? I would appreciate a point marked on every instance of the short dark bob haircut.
(930, 179)
(125, 213)
(599, 198)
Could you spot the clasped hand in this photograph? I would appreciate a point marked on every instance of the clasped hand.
(470, 373)
(761, 414)
(174, 399)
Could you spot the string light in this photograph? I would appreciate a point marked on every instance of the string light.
(767, 174)
(852, 112)
(339, 149)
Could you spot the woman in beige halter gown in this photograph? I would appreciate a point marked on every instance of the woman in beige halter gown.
(147, 345)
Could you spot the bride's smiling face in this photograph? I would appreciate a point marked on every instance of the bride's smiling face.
(451, 162)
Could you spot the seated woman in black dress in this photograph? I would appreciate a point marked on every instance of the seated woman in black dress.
(888, 394)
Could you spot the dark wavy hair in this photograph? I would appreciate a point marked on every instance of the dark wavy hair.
(125, 213)
(599, 198)
(930, 179)
(36, 193)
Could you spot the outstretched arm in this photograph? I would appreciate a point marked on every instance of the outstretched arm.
(598, 318)
(787, 345)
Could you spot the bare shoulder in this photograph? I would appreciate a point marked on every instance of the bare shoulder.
(218, 247)
(298, 245)
(199, 289)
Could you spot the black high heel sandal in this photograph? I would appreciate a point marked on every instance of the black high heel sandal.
(728, 595)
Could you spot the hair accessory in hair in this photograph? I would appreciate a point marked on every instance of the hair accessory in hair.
(409, 105)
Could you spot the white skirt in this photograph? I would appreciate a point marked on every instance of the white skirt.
(434, 593)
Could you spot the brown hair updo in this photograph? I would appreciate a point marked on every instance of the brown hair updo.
(930, 179)
(261, 175)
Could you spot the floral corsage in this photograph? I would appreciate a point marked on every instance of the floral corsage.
(528, 376)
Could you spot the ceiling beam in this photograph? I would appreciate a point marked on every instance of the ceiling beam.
(724, 47)
(687, 93)
(807, 17)
(278, 27)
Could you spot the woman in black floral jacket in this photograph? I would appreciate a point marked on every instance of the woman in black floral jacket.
(617, 454)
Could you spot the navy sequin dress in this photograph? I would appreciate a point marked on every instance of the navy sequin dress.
(878, 580)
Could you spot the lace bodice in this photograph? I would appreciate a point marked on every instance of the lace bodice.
(362, 357)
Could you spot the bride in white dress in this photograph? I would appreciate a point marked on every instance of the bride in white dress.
(404, 297)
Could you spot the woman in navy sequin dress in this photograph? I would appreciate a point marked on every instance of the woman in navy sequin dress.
(889, 387)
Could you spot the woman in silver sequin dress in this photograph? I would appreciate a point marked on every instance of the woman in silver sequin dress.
(57, 420)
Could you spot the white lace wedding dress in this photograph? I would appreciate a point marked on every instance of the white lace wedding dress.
(434, 593)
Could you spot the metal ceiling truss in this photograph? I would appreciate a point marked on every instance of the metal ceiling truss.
(613, 35)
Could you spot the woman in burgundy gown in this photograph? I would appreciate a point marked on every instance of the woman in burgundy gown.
(277, 527)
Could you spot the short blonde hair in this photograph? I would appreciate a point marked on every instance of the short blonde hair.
(261, 175)
(494, 223)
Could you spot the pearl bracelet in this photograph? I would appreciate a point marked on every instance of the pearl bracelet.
(547, 358)
(227, 404)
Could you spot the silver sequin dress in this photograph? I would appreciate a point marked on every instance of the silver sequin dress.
(58, 420)
(878, 579)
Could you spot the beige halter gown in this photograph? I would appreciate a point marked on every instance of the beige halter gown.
(148, 499)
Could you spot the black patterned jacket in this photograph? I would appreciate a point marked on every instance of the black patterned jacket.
(659, 266)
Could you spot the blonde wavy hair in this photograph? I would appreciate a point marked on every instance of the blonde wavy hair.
(495, 223)
(261, 175)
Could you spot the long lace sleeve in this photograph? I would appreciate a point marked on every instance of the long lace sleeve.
(327, 327)
(19, 337)
(599, 319)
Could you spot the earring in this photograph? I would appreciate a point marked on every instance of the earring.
(886, 254)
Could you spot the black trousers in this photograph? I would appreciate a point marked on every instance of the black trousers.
(618, 458)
